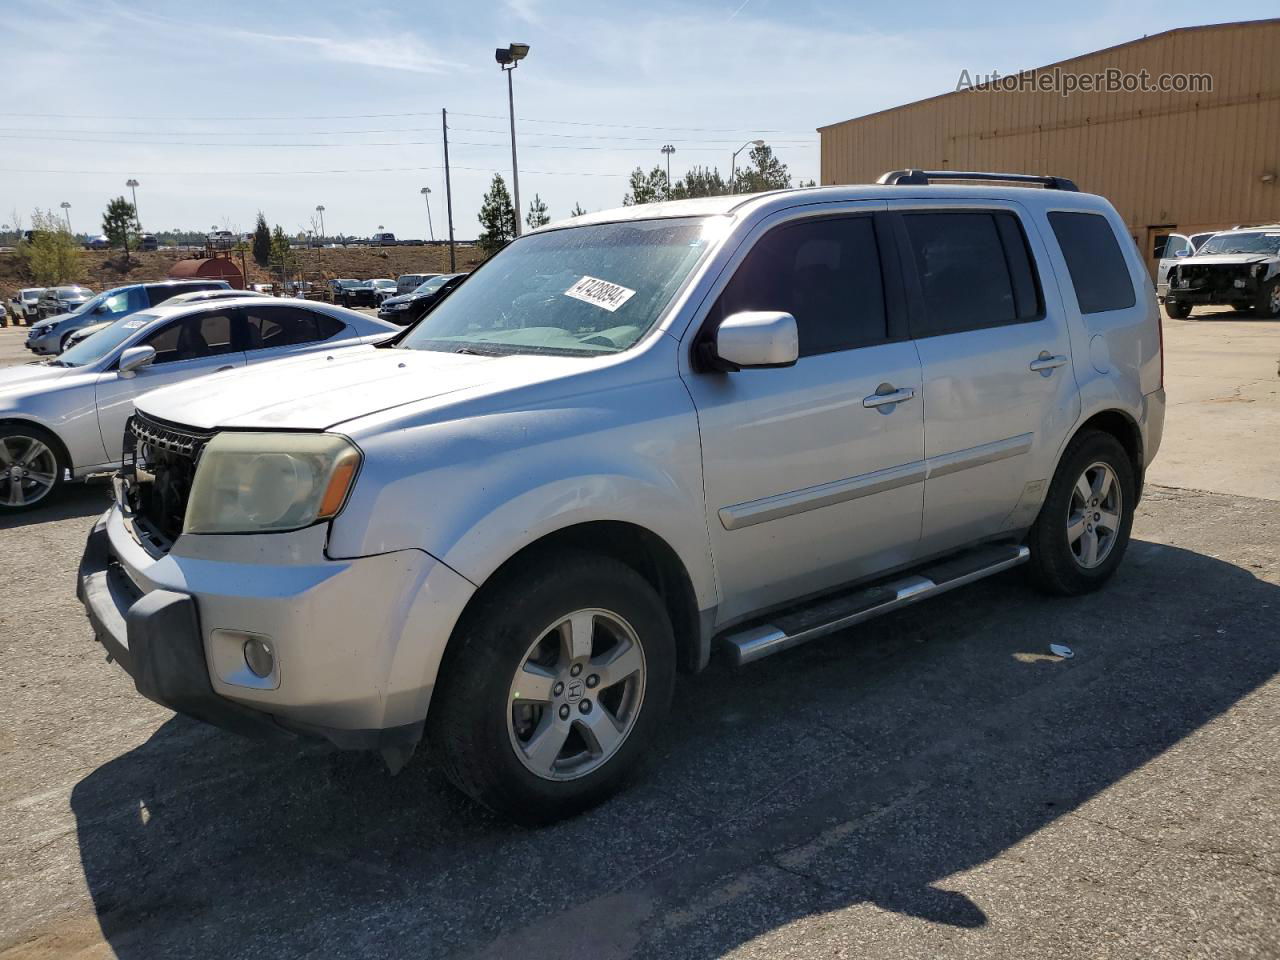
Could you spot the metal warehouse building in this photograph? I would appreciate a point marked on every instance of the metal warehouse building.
(1169, 161)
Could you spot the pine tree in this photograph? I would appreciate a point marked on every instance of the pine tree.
(261, 241)
(765, 172)
(646, 187)
(120, 224)
(537, 215)
(577, 210)
(497, 217)
(700, 182)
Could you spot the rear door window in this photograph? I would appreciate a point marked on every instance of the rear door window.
(826, 273)
(974, 270)
(271, 326)
(1098, 270)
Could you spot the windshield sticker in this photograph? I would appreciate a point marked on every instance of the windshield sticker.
(134, 324)
(600, 293)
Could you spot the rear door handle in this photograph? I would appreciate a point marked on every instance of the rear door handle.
(1046, 362)
(879, 399)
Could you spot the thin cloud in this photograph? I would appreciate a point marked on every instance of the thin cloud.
(400, 53)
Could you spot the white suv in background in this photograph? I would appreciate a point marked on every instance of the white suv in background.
(628, 442)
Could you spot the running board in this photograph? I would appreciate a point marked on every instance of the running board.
(795, 627)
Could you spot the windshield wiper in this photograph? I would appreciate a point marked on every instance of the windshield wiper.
(473, 352)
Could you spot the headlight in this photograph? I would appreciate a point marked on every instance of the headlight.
(270, 482)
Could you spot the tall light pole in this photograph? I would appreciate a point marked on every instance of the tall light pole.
(426, 193)
(733, 165)
(66, 209)
(320, 210)
(668, 149)
(509, 58)
(132, 184)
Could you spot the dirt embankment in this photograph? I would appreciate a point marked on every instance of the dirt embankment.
(101, 269)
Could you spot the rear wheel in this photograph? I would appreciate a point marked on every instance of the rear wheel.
(31, 468)
(1267, 303)
(1177, 310)
(563, 673)
(1082, 531)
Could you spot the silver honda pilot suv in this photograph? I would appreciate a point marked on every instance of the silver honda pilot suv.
(627, 443)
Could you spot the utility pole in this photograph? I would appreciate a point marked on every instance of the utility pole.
(132, 184)
(448, 188)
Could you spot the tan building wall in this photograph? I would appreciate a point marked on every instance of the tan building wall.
(1170, 162)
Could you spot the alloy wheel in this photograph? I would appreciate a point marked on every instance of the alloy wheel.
(1094, 515)
(576, 695)
(28, 471)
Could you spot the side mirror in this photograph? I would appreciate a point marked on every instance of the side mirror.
(753, 339)
(1184, 252)
(133, 358)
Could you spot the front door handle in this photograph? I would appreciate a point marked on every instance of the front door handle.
(1045, 362)
(229, 366)
(886, 395)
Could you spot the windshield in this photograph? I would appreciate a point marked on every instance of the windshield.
(575, 291)
(384, 283)
(95, 347)
(432, 285)
(1266, 243)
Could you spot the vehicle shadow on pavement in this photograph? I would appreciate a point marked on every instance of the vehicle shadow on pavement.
(76, 500)
(866, 769)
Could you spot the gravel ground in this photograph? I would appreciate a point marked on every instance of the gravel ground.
(935, 783)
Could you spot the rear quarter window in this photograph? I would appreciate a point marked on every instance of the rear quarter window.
(1097, 266)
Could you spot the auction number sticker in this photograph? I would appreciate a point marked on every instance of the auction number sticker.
(600, 293)
(134, 324)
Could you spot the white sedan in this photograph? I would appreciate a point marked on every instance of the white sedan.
(64, 419)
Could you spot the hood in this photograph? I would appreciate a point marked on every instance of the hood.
(50, 322)
(321, 390)
(1222, 259)
(30, 373)
(402, 298)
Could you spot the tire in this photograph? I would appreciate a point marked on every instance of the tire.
(16, 453)
(487, 739)
(1177, 310)
(1267, 303)
(1062, 535)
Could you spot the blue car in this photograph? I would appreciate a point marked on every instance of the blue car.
(49, 336)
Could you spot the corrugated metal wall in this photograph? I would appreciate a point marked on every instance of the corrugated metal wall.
(1190, 160)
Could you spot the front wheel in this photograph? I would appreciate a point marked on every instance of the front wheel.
(31, 468)
(1267, 303)
(562, 673)
(1081, 534)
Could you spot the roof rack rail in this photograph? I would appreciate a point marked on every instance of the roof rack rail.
(922, 178)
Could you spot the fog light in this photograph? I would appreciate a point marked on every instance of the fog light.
(259, 657)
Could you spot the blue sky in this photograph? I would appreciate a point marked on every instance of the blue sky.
(223, 109)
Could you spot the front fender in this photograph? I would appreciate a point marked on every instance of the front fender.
(476, 490)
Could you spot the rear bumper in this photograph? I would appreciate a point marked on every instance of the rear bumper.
(357, 642)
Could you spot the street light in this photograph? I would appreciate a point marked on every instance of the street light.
(320, 210)
(733, 166)
(668, 149)
(66, 209)
(132, 184)
(509, 58)
(426, 193)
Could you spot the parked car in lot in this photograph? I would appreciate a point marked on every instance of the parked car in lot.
(383, 288)
(407, 282)
(84, 333)
(23, 304)
(630, 440)
(58, 300)
(49, 336)
(383, 240)
(66, 417)
(1236, 268)
(358, 293)
(100, 242)
(148, 241)
(198, 296)
(407, 308)
(1175, 246)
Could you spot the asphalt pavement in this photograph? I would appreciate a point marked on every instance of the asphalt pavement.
(936, 783)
